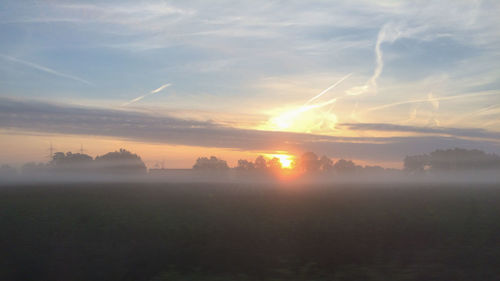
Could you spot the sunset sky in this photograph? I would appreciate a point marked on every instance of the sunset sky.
(371, 81)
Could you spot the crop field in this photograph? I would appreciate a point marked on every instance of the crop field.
(155, 232)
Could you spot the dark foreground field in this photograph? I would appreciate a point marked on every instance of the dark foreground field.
(242, 232)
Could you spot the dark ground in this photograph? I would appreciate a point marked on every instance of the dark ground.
(243, 232)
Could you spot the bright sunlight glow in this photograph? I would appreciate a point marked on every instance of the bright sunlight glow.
(286, 160)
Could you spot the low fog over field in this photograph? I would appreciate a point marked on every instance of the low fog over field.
(445, 166)
(250, 140)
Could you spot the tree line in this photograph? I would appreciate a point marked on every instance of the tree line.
(308, 162)
(457, 159)
(117, 162)
(127, 163)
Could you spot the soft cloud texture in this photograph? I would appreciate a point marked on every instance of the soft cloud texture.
(63, 119)
(418, 66)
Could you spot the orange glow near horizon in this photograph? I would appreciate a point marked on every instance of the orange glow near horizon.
(286, 160)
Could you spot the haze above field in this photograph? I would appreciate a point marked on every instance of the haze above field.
(173, 81)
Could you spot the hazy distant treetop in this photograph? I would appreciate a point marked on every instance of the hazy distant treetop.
(260, 163)
(245, 165)
(416, 163)
(122, 161)
(325, 163)
(309, 162)
(452, 160)
(460, 159)
(212, 163)
(61, 160)
(344, 166)
(119, 155)
(274, 164)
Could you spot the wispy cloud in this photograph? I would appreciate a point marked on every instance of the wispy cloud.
(456, 132)
(390, 32)
(328, 89)
(148, 94)
(45, 69)
(390, 46)
(433, 100)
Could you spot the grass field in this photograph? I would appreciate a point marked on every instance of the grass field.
(244, 232)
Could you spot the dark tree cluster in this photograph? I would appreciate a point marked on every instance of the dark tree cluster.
(260, 164)
(212, 163)
(308, 163)
(457, 159)
(117, 162)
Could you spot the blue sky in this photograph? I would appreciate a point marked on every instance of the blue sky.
(253, 65)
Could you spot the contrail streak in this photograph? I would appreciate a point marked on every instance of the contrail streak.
(45, 69)
(161, 88)
(431, 100)
(328, 89)
(388, 33)
(148, 94)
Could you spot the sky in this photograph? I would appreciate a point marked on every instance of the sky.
(371, 81)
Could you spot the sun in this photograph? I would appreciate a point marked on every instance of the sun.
(286, 160)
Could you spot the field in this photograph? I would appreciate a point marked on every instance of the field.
(244, 232)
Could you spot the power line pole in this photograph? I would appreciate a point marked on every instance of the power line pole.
(81, 149)
(51, 151)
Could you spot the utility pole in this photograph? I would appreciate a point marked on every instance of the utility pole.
(81, 149)
(51, 151)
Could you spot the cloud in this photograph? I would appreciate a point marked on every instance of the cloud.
(433, 100)
(45, 69)
(63, 119)
(148, 94)
(160, 88)
(328, 89)
(456, 132)
(390, 32)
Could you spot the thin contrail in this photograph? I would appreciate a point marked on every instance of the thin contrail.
(148, 94)
(161, 88)
(45, 69)
(430, 100)
(328, 89)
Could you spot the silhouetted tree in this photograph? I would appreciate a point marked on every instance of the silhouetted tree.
(260, 163)
(416, 163)
(70, 162)
(309, 162)
(344, 166)
(452, 160)
(462, 159)
(274, 164)
(325, 163)
(120, 162)
(212, 163)
(245, 165)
